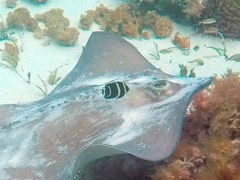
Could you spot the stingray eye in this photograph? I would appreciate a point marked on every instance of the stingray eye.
(159, 84)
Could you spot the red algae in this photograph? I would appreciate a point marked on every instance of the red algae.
(209, 147)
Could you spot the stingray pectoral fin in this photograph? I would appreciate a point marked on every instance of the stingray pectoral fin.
(156, 135)
(106, 53)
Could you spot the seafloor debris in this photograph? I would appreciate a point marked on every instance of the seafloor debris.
(183, 70)
(57, 27)
(181, 41)
(198, 61)
(53, 78)
(127, 21)
(155, 55)
(235, 57)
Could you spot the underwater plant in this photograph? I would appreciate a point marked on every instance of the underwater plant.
(183, 70)
(10, 54)
(156, 55)
(53, 78)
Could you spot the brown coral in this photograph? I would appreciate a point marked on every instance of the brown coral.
(181, 41)
(57, 27)
(20, 18)
(127, 21)
(161, 26)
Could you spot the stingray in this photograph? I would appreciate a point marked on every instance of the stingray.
(54, 138)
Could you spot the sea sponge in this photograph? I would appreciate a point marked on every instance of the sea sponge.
(57, 27)
(53, 19)
(127, 21)
(181, 41)
(20, 18)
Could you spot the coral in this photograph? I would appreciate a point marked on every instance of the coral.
(20, 18)
(127, 21)
(227, 15)
(57, 27)
(181, 41)
(161, 26)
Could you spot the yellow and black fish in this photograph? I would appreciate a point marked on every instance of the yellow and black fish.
(115, 90)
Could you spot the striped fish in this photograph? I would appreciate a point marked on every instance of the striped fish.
(115, 90)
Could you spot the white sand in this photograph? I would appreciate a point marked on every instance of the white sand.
(39, 60)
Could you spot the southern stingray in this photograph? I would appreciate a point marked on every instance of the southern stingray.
(55, 138)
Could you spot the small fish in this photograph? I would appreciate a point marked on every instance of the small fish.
(207, 21)
(115, 90)
(211, 30)
(198, 61)
(235, 57)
